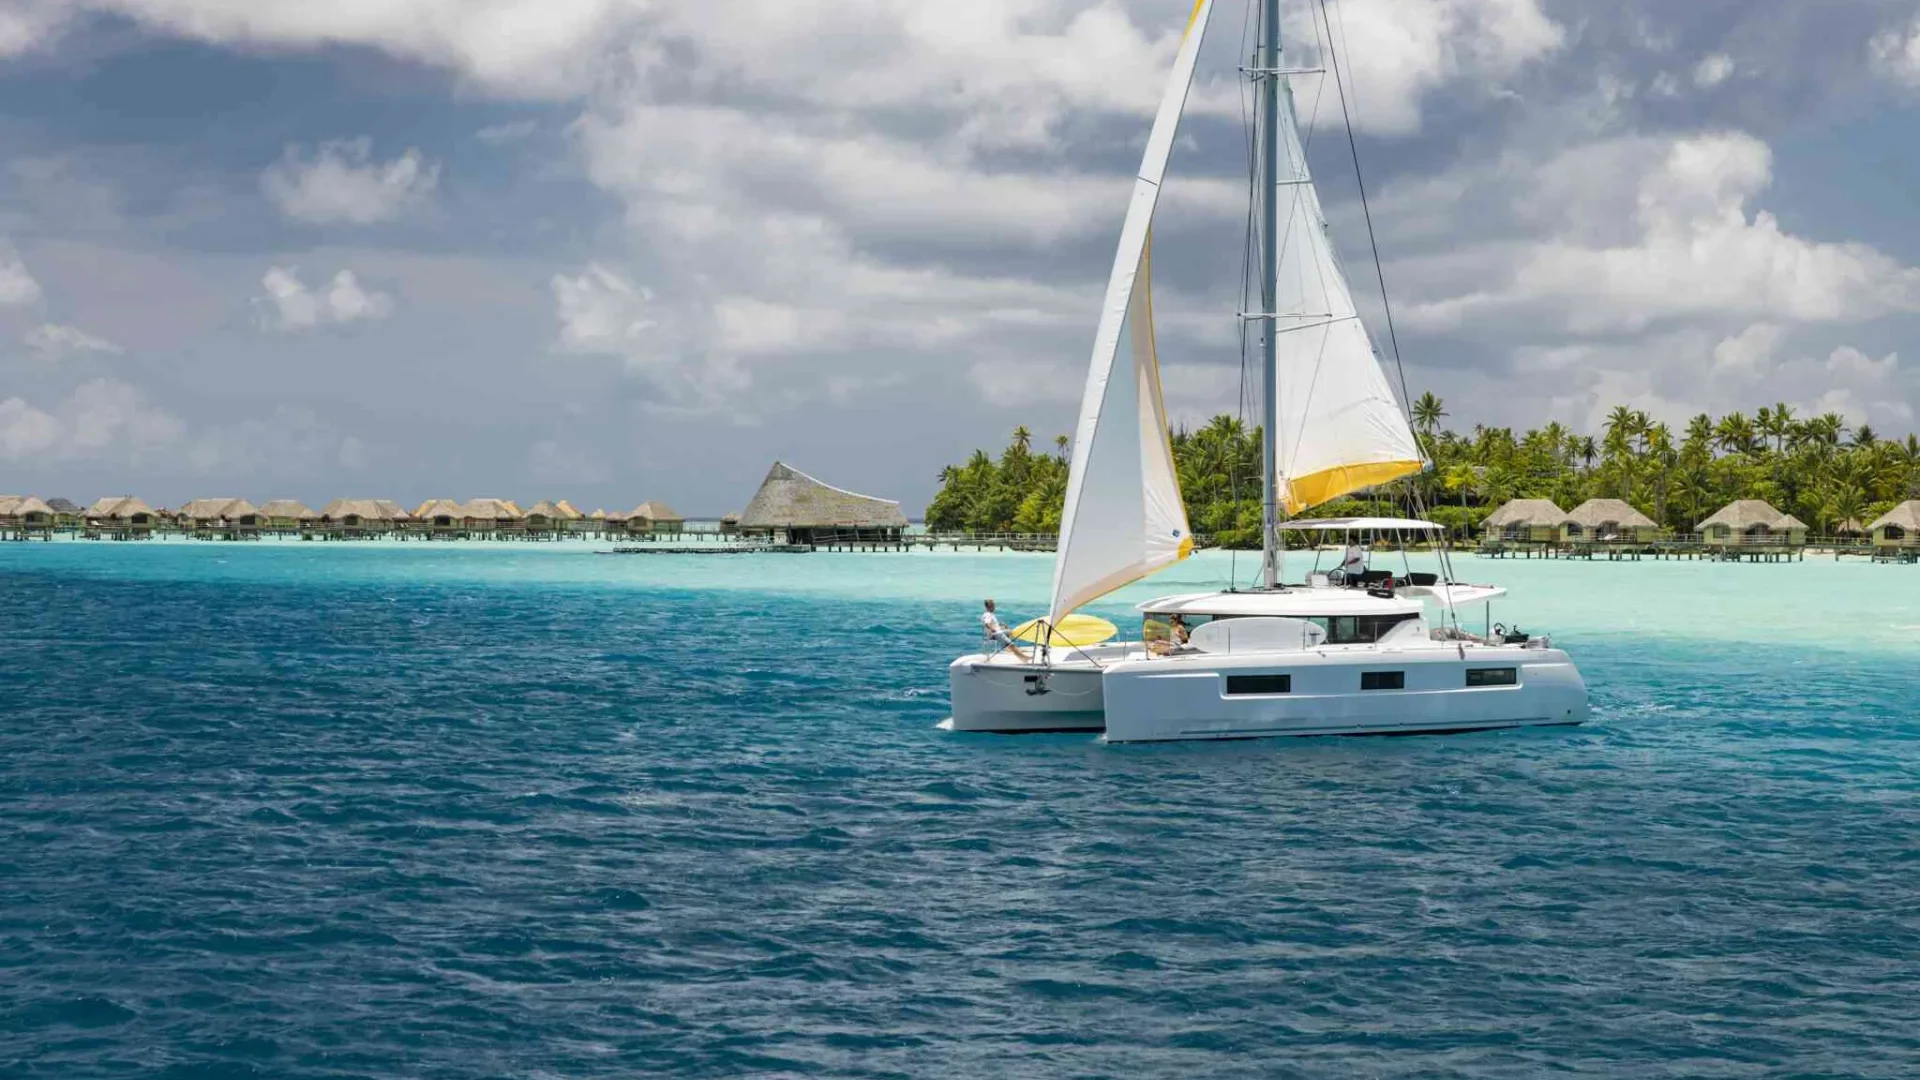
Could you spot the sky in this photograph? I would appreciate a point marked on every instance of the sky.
(617, 250)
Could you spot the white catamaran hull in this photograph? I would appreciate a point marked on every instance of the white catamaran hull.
(1321, 693)
(1003, 696)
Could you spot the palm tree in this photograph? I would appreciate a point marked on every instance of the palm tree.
(1588, 450)
(1022, 438)
(1734, 433)
(1060, 443)
(1428, 411)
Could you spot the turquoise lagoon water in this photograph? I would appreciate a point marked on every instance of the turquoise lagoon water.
(523, 810)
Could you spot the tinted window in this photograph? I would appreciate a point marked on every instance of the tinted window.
(1361, 629)
(1383, 680)
(1259, 684)
(1493, 676)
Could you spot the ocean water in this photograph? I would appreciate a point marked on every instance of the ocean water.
(287, 810)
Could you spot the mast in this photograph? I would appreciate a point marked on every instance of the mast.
(1268, 74)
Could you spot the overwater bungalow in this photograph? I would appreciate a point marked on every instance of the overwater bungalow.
(547, 518)
(67, 514)
(228, 516)
(1608, 521)
(576, 521)
(122, 515)
(491, 516)
(1536, 521)
(1850, 529)
(287, 515)
(25, 516)
(614, 522)
(730, 522)
(439, 517)
(362, 517)
(1898, 529)
(654, 516)
(804, 510)
(1753, 522)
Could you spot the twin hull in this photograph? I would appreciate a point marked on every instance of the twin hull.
(1201, 696)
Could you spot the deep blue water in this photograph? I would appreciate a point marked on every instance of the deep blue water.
(281, 824)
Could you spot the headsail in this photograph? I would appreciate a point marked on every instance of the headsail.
(1340, 428)
(1124, 518)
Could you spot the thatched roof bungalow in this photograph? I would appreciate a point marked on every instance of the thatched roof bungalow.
(730, 522)
(26, 510)
(122, 510)
(1752, 521)
(655, 516)
(439, 515)
(358, 516)
(1538, 520)
(490, 514)
(1608, 519)
(288, 513)
(1850, 528)
(547, 516)
(221, 513)
(808, 511)
(1898, 527)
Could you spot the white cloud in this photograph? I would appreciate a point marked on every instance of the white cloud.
(1895, 53)
(289, 305)
(102, 418)
(52, 341)
(26, 432)
(1713, 71)
(1396, 52)
(1697, 251)
(343, 183)
(17, 286)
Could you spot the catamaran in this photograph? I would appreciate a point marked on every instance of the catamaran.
(1351, 651)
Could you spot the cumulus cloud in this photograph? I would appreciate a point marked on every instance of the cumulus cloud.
(343, 183)
(53, 341)
(102, 418)
(17, 287)
(290, 305)
(1696, 250)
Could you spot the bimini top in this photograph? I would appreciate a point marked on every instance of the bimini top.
(1295, 603)
(1361, 524)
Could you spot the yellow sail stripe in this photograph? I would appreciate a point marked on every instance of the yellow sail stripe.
(1195, 17)
(1329, 484)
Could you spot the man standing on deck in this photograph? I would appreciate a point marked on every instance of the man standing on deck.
(997, 636)
(1353, 563)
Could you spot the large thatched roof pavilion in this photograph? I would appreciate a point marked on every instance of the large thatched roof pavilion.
(808, 511)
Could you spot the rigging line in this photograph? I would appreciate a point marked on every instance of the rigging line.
(1353, 145)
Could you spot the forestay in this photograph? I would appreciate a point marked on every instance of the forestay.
(1340, 428)
(1124, 518)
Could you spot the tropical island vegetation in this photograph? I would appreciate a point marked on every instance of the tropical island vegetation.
(1817, 468)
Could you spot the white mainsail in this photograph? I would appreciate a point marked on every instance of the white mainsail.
(1339, 427)
(1124, 518)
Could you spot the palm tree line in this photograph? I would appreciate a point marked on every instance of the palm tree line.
(1818, 468)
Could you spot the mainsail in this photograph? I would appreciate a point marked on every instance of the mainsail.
(1339, 427)
(1124, 518)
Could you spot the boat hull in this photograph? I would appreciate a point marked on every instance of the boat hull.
(1192, 697)
(1002, 696)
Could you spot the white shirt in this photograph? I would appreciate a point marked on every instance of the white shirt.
(1355, 561)
(994, 627)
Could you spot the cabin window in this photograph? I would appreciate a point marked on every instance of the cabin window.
(1259, 684)
(1383, 680)
(1493, 676)
(1360, 629)
(1895, 532)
